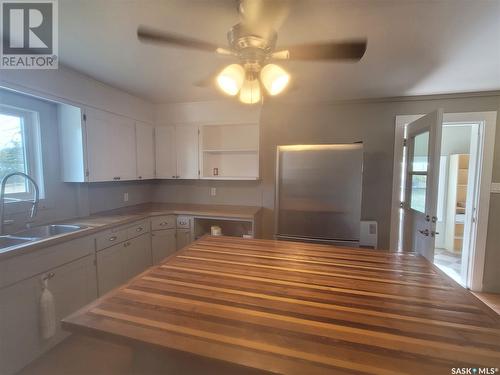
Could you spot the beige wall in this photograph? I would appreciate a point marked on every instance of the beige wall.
(371, 122)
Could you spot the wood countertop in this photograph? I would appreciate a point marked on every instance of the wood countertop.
(299, 308)
(126, 215)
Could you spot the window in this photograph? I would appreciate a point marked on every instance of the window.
(417, 172)
(19, 150)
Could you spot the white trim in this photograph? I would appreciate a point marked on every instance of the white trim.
(487, 122)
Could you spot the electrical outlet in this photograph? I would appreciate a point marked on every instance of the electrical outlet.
(213, 192)
(125, 197)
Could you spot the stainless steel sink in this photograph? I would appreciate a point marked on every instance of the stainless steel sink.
(8, 241)
(46, 231)
(34, 234)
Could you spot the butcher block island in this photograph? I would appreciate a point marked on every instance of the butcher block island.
(232, 305)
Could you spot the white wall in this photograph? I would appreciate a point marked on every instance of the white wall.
(67, 85)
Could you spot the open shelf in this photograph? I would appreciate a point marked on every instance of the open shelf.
(229, 152)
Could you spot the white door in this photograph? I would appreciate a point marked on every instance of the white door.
(145, 150)
(421, 187)
(186, 140)
(165, 155)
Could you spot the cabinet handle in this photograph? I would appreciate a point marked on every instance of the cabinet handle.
(163, 223)
(116, 178)
(177, 176)
(113, 238)
(174, 176)
(140, 177)
(139, 229)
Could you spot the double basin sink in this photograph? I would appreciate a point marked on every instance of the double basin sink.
(36, 234)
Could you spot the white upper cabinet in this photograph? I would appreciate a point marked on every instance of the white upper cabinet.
(165, 152)
(176, 152)
(111, 146)
(145, 151)
(186, 141)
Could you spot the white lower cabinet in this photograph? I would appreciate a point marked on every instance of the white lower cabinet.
(163, 243)
(73, 285)
(120, 262)
(110, 268)
(184, 238)
(137, 255)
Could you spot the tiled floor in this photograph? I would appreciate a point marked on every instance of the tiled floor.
(449, 262)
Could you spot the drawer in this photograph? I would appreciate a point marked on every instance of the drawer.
(24, 266)
(109, 238)
(183, 222)
(138, 228)
(163, 222)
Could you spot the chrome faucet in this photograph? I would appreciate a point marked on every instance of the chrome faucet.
(36, 197)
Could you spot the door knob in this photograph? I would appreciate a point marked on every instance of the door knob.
(424, 232)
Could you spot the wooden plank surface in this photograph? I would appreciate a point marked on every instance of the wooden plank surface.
(298, 308)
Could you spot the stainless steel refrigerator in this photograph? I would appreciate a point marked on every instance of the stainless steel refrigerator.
(318, 193)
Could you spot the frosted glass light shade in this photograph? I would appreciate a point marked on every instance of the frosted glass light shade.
(250, 91)
(231, 79)
(274, 78)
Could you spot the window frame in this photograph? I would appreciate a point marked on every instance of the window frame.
(32, 150)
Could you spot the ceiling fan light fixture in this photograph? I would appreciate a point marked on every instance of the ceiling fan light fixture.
(274, 78)
(231, 79)
(250, 91)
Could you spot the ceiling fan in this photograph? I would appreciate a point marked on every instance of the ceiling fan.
(253, 43)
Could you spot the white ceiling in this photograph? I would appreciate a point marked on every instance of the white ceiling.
(415, 47)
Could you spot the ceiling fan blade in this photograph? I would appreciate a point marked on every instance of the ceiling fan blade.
(146, 34)
(349, 50)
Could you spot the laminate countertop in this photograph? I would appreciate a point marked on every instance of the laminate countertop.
(297, 308)
(122, 216)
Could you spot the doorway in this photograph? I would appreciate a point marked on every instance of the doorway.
(451, 231)
(456, 199)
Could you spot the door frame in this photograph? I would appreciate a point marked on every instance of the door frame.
(486, 147)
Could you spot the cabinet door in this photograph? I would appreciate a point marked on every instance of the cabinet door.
(186, 141)
(72, 285)
(99, 126)
(122, 147)
(110, 268)
(163, 244)
(19, 325)
(111, 146)
(137, 255)
(165, 155)
(184, 238)
(145, 150)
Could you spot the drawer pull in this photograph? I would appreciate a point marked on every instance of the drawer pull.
(163, 223)
(139, 229)
(112, 238)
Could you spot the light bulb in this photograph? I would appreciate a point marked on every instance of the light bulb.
(274, 78)
(250, 91)
(231, 79)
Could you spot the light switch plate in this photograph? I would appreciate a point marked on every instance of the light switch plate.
(125, 197)
(495, 187)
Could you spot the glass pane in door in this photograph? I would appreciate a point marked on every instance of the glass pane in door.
(420, 155)
(418, 191)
